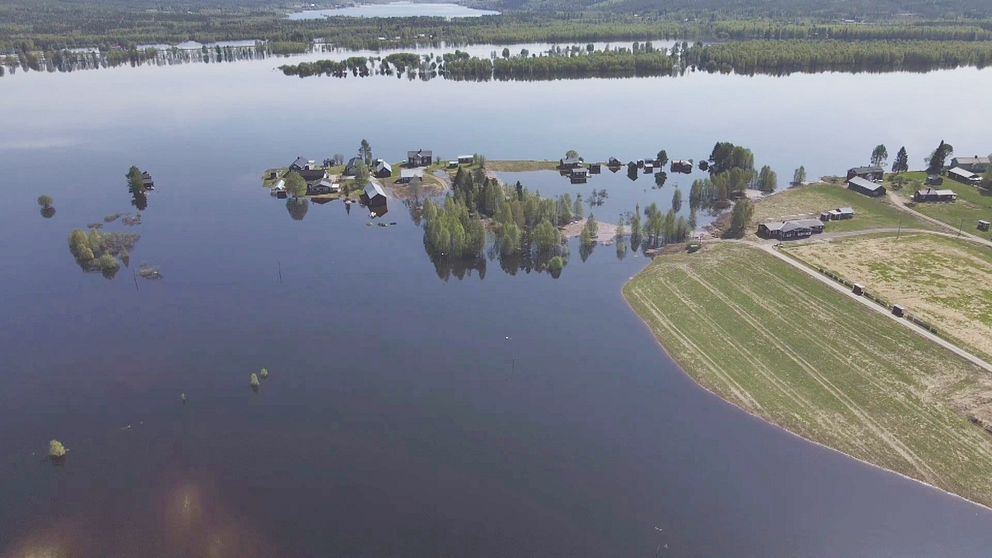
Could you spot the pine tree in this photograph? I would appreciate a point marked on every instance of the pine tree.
(901, 164)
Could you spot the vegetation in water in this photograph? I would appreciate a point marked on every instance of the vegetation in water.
(99, 251)
(253, 381)
(47, 209)
(264, 374)
(56, 450)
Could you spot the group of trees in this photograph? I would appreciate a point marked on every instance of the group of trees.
(525, 226)
(98, 251)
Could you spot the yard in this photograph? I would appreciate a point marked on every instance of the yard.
(783, 346)
(945, 281)
(971, 206)
(520, 166)
(810, 201)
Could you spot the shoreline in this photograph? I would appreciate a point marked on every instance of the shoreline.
(666, 352)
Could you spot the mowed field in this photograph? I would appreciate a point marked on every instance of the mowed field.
(810, 201)
(945, 281)
(780, 344)
(971, 206)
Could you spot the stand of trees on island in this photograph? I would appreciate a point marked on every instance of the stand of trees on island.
(774, 57)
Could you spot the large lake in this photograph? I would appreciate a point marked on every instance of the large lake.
(495, 415)
(396, 9)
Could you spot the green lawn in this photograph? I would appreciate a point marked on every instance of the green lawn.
(971, 206)
(521, 166)
(780, 344)
(810, 201)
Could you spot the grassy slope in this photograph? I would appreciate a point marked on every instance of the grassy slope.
(970, 206)
(521, 166)
(944, 281)
(870, 213)
(779, 344)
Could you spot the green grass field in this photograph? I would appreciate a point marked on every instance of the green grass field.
(521, 166)
(971, 206)
(780, 344)
(947, 282)
(810, 201)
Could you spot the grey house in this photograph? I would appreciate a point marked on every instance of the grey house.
(866, 187)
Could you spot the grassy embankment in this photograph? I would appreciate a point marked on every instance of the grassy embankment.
(810, 201)
(945, 281)
(521, 166)
(783, 346)
(972, 204)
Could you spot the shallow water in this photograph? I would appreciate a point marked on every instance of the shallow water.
(396, 9)
(496, 415)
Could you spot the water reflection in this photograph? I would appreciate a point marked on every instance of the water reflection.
(47, 212)
(297, 208)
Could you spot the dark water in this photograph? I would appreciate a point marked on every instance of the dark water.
(405, 416)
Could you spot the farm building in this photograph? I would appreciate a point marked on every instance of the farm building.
(419, 158)
(678, 165)
(324, 186)
(299, 164)
(352, 167)
(790, 230)
(838, 214)
(866, 187)
(932, 195)
(374, 197)
(569, 163)
(974, 164)
(382, 169)
(579, 175)
(867, 173)
(934, 180)
(964, 176)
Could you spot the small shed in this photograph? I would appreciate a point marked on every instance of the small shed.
(382, 169)
(934, 180)
(858, 289)
(452, 164)
(682, 166)
(374, 197)
(579, 175)
(466, 159)
(898, 310)
(983, 226)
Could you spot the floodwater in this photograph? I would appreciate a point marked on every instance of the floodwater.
(396, 9)
(405, 415)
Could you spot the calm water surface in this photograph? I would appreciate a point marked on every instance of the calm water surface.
(406, 415)
(396, 9)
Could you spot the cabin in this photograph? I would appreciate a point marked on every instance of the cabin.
(579, 175)
(374, 197)
(934, 180)
(351, 169)
(382, 169)
(866, 187)
(324, 186)
(898, 310)
(932, 195)
(453, 164)
(595, 168)
(964, 176)
(614, 163)
(279, 190)
(299, 164)
(790, 230)
(974, 164)
(858, 289)
(569, 163)
(838, 214)
(146, 181)
(983, 226)
(419, 158)
(648, 167)
(679, 165)
(466, 159)
(867, 173)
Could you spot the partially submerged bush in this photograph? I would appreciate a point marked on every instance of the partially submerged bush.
(264, 373)
(56, 450)
(45, 201)
(254, 380)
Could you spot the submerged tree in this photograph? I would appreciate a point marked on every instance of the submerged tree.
(590, 231)
(45, 201)
(799, 177)
(57, 451)
(297, 208)
(677, 200)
